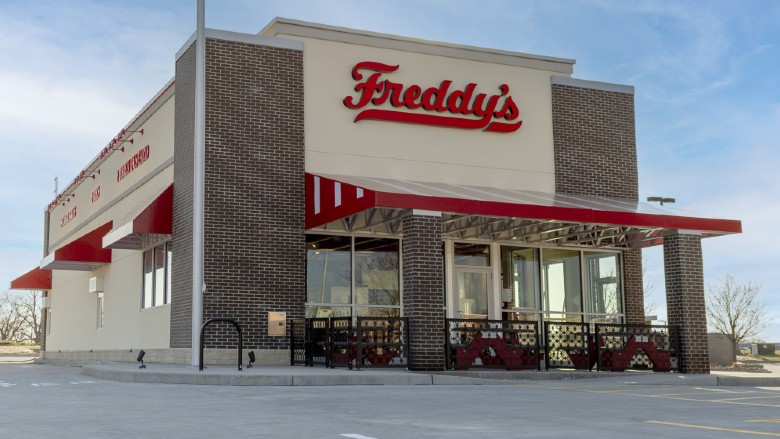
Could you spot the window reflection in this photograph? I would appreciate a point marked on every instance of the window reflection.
(520, 277)
(156, 279)
(603, 284)
(329, 274)
(473, 255)
(328, 270)
(562, 280)
(148, 279)
(376, 272)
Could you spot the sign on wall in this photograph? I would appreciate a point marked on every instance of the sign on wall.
(379, 98)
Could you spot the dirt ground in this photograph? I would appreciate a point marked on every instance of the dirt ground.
(23, 351)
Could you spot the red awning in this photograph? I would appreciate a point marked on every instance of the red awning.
(35, 279)
(150, 222)
(82, 254)
(333, 197)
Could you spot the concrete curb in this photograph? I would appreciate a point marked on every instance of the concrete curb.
(749, 381)
(300, 376)
(221, 377)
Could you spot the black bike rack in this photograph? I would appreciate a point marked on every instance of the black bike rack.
(240, 338)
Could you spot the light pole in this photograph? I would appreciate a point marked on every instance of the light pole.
(199, 152)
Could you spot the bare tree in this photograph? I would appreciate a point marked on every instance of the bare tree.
(29, 308)
(735, 310)
(10, 321)
(650, 284)
(20, 317)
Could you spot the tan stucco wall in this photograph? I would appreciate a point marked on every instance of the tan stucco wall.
(74, 309)
(158, 134)
(335, 144)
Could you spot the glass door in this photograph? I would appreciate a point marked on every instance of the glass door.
(472, 286)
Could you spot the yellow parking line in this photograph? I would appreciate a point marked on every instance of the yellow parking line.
(623, 393)
(706, 427)
(754, 404)
(669, 395)
(765, 420)
(752, 397)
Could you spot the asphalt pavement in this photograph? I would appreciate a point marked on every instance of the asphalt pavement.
(54, 401)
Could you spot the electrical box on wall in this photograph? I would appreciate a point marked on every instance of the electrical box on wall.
(277, 324)
(95, 284)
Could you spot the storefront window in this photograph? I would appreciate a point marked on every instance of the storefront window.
(519, 277)
(328, 270)
(329, 273)
(561, 273)
(603, 283)
(324, 311)
(378, 312)
(473, 255)
(473, 290)
(376, 272)
(563, 318)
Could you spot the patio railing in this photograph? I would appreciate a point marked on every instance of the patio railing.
(496, 344)
(336, 342)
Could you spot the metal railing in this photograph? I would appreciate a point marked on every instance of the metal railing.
(496, 344)
(335, 342)
(298, 346)
(382, 342)
(513, 345)
(645, 347)
(568, 345)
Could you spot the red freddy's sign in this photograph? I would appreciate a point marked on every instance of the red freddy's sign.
(467, 109)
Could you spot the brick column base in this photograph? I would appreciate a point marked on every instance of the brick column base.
(44, 324)
(423, 268)
(685, 300)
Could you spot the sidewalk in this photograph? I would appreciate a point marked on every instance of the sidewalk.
(319, 376)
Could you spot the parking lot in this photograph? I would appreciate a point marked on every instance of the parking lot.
(52, 401)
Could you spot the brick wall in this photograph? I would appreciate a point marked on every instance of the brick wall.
(183, 168)
(633, 286)
(254, 259)
(595, 142)
(685, 304)
(423, 268)
(254, 204)
(595, 154)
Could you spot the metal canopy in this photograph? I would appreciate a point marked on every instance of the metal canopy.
(521, 231)
(358, 204)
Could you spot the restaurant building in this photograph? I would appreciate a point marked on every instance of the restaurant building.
(356, 174)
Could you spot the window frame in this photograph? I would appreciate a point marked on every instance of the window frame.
(157, 292)
(353, 305)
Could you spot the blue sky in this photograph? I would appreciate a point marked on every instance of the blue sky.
(72, 74)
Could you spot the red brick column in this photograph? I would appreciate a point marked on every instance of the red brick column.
(423, 271)
(633, 287)
(254, 242)
(685, 300)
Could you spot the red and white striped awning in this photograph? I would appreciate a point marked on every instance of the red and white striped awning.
(334, 197)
